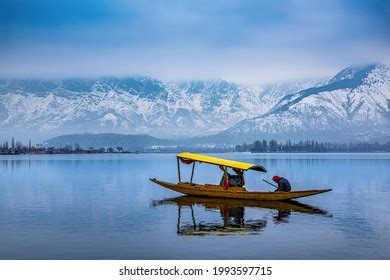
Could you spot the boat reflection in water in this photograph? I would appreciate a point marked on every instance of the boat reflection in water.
(232, 213)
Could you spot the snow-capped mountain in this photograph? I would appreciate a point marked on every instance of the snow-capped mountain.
(133, 105)
(353, 105)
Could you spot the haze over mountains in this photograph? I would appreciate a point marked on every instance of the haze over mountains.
(353, 105)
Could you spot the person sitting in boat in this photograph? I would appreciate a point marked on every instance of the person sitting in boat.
(238, 179)
(224, 180)
(229, 180)
(283, 184)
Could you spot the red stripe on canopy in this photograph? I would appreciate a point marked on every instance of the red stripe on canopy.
(186, 161)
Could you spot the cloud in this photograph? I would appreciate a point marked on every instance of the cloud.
(254, 41)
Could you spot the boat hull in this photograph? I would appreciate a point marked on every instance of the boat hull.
(234, 192)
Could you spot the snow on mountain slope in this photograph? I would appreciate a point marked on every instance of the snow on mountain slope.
(353, 105)
(134, 105)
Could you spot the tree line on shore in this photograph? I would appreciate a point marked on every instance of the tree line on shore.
(17, 148)
(311, 146)
(258, 146)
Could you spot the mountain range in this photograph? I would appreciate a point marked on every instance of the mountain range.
(133, 105)
(354, 104)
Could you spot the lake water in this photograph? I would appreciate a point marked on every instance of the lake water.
(104, 207)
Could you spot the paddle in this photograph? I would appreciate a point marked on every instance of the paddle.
(270, 183)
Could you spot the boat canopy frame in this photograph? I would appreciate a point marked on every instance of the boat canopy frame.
(193, 158)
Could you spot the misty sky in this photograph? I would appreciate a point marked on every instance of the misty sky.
(254, 41)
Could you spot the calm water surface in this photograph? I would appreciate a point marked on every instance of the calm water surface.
(104, 207)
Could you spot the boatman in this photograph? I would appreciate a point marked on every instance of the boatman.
(283, 184)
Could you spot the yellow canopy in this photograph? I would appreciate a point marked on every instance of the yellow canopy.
(221, 161)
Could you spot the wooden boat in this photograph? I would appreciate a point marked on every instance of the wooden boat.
(211, 190)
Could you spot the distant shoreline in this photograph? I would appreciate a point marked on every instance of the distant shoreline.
(64, 153)
(175, 152)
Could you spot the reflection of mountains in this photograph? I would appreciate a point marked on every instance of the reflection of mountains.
(232, 213)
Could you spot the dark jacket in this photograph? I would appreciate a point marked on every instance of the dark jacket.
(283, 185)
